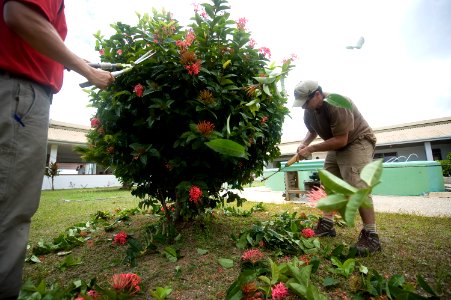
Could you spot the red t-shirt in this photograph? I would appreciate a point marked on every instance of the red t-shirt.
(19, 58)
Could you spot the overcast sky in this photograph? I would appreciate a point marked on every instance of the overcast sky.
(401, 74)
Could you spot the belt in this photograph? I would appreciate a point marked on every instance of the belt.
(47, 89)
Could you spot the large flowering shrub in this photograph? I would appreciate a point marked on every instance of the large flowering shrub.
(206, 109)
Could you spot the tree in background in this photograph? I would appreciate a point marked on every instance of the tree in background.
(52, 171)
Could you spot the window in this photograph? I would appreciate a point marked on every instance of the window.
(388, 156)
(436, 154)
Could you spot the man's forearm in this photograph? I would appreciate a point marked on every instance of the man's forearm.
(42, 36)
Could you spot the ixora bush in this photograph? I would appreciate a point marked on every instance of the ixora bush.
(206, 109)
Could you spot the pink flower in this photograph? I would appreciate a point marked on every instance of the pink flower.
(316, 194)
(120, 238)
(126, 282)
(252, 43)
(102, 51)
(95, 122)
(265, 51)
(193, 69)
(194, 194)
(138, 89)
(252, 255)
(93, 294)
(241, 24)
(279, 291)
(119, 52)
(308, 233)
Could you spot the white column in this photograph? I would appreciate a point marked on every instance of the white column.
(428, 150)
(53, 153)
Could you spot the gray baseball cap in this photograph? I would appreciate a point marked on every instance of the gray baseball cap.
(302, 91)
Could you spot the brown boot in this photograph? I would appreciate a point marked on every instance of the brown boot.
(325, 227)
(368, 243)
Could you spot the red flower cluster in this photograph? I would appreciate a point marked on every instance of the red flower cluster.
(241, 24)
(101, 51)
(119, 52)
(264, 120)
(252, 255)
(126, 282)
(205, 127)
(316, 194)
(305, 258)
(265, 51)
(193, 69)
(189, 39)
(194, 194)
(308, 232)
(95, 122)
(120, 238)
(279, 291)
(139, 90)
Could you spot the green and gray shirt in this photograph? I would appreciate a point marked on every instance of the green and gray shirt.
(329, 121)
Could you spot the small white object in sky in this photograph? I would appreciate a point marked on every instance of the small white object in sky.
(358, 45)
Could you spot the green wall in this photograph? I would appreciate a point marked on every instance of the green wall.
(412, 178)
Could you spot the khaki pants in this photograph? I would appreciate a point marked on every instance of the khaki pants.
(347, 163)
(24, 119)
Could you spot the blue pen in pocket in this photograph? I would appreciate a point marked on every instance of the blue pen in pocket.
(19, 120)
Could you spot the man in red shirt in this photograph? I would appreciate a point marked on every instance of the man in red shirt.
(32, 59)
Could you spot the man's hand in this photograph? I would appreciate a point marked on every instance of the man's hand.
(100, 78)
(304, 152)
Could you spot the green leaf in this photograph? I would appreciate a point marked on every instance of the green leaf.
(353, 205)
(337, 185)
(171, 254)
(338, 100)
(228, 125)
(329, 281)
(266, 90)
(425, 286)
(372, 172)
(265, 80)
(225, 263)
(201, 251)
(227, 147)
(332, 203)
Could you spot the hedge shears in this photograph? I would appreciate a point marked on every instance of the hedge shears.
(122, 68)
(291, 161)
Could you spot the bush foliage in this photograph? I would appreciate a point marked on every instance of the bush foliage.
(206, 109)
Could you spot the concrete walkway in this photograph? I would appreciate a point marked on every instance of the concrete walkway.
(434, 204)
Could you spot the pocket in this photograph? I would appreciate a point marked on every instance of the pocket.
(25, 99)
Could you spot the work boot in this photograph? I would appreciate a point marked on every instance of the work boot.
(368, 243)
(325, 227)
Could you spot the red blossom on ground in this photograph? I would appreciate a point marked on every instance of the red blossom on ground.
(93, 294)
(250, 287)
(305, 258)
(95, 122)
(194, 194)
(308, 233)
(205, 127)
(101, 51)
(279, 291)
(126, 282)
(90, 243)
(120, 238)
(265, 51)
(252, 255)
(316, 194)
(138, 90)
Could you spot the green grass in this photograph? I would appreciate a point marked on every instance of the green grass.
(411, 245)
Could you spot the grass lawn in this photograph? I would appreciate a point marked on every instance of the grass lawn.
(411, 245)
